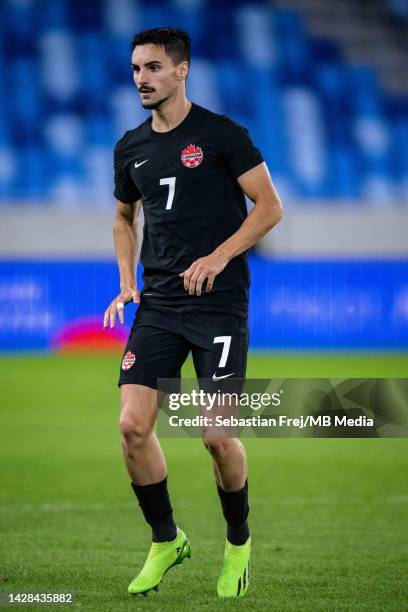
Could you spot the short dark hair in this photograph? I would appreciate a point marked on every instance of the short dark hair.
(176, 43)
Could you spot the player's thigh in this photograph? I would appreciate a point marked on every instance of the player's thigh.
(154, 350)
(220, 345)
(138, 410)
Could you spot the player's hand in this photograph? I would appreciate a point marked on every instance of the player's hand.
(205, 268)
(127, 294)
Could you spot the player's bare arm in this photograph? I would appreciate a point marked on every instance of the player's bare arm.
(125, 238)
(267, 212)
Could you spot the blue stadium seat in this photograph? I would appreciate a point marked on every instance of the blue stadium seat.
(52, 15)
(69, 61)
(26, 109)
(8, 173)
(32, 180)
(345, 175)
(92, 61)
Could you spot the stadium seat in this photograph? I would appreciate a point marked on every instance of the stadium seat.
(326, 125)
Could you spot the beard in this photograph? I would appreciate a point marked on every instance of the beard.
(154, 105)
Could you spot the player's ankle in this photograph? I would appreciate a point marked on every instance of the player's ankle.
(238, 535)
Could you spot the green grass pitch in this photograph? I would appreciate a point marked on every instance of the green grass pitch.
(328, 517)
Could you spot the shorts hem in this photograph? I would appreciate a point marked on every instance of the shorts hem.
(142, 383)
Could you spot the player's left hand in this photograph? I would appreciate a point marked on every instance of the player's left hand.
(204, 268)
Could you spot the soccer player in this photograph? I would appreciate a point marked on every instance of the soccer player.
(189, 169)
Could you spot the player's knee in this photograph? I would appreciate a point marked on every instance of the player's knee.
(135, 434)
(217, 447)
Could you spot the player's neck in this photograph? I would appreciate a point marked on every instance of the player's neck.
(171, 115)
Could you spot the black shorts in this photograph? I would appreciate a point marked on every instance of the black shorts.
(162, 337)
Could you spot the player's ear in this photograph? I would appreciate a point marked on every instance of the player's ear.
(182, 70)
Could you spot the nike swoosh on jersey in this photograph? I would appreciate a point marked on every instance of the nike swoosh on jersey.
(140, 163)
(215, 378)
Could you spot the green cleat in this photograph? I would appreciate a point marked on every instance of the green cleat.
(162, 556)
(234, 577)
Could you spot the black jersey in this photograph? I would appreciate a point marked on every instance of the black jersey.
(191, 201)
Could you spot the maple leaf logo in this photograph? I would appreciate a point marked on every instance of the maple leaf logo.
(128, 360)
(192, 156)
(190, 150)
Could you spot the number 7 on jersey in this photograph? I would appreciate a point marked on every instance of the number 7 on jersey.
(171, 182)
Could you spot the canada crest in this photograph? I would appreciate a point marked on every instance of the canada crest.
(192, 156)
(128, 360)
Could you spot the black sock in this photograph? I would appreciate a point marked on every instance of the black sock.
(235, 509)
(156, 507)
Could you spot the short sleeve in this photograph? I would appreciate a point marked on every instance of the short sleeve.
(125, 189)
(239, 152)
